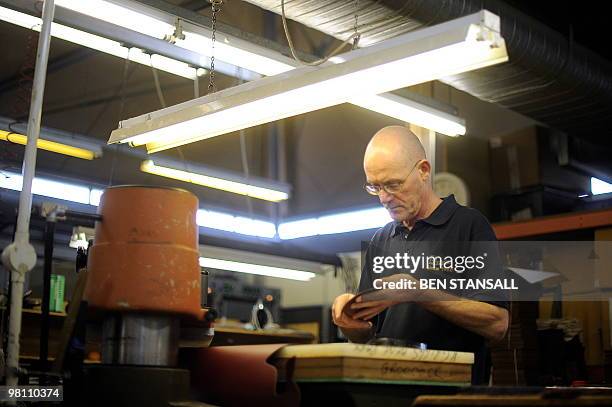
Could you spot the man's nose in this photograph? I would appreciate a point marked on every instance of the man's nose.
(385, 197)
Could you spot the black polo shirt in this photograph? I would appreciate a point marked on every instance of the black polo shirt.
(451, 229)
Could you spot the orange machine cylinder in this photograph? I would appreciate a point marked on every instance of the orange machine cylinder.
(145, 252)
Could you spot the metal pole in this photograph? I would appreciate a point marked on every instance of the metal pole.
(431, 140)
(428, 140)
(19, 256)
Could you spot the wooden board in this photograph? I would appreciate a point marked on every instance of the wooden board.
(347, 362)
(354, 369)
(356, 350)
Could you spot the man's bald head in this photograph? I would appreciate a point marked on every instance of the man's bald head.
(398, 171)
(396, 146)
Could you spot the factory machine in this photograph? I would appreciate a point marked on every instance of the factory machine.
(143, 286)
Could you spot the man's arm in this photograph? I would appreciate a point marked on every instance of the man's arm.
(356, 330)
(485, 319)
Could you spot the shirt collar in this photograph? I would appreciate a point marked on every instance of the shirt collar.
(439, 216)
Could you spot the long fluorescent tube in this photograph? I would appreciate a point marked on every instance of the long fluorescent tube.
(102, 44)
(209, 181)
(449, 48)
(236, 224)
(599, 187)
(236, 52)
(413, 112)
(49, 145)
(269, 271)
(118, 15)
(337, 223)
(231, 50)
(53, 189)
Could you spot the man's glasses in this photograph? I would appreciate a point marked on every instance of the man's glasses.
(389, 187)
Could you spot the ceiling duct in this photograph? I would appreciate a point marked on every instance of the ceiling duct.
(558, 83)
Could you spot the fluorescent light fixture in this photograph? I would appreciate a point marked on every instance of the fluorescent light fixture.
(413, 112)
(53, 146)
(268, 271)
(258, 263)
(236, 224)
(52, 189)
(243, 54)
(298, 228)
(599, 187)
(237, 52)
(255, 227)
(337, 223)
(228, 49)
(449, 48)
(102, 44)
(118, 15)
(91, 196)
(216, 220)
(211, 181)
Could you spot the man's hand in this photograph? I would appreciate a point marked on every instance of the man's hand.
(372, 303)
(343, 320)
(367, 310)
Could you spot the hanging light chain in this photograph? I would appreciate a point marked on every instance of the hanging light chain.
(216, 7)
(356, 26)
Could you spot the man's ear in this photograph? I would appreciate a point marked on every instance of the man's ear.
(424, 169)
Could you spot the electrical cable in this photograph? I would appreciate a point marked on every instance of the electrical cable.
(162, 102)
(245, 168)
(243, 152)
(160, 94)
(320, 61)
(124, 79)
(117, 93)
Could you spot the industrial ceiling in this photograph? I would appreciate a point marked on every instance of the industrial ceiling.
(550, 81)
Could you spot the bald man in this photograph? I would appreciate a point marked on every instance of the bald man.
(397, 171)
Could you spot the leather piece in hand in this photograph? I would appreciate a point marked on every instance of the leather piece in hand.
(365, 295)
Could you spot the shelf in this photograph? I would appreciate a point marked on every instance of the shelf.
(31, 311)
(553, 224)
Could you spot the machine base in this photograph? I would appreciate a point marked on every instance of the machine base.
(119, 386)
